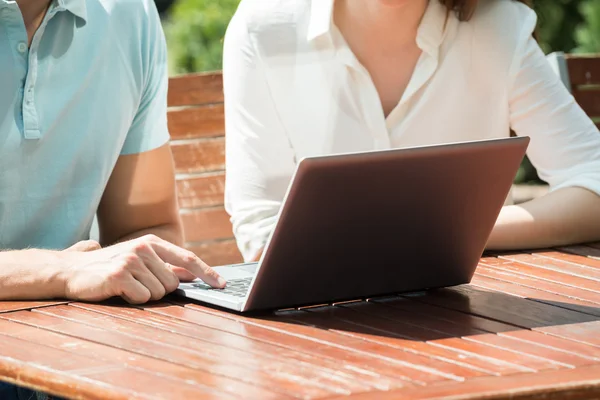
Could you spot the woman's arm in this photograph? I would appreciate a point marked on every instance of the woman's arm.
(564, 148)
(260, 160)
(565, 216)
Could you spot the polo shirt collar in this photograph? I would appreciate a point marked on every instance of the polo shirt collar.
(75, 7)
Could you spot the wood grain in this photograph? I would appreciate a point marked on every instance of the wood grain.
(206, 190)
(585, 251)
(206, 224)
(579, 384)
(197, 122)
(565, 267)
(58, 372)
(217, 253)
(584, 70)
(195, 89)
(520, 312)
(142, 341)
(553, 275)
(199, 155)
(528, 288)
(571, 258)
(8, 306)
(95, 351)
(589, 100)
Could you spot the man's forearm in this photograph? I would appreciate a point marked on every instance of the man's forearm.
(566, 216)
(170, 232)
(31, 274)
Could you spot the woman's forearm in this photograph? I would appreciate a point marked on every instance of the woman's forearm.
(565, 216)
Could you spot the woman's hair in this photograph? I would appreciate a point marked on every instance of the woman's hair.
(465, 8)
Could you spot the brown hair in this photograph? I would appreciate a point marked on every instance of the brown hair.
(464, 9)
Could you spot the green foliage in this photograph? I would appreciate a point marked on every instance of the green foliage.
(588, 34)
(557, 20)
(195, 31)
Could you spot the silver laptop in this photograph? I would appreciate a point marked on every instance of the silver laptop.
(371, 224)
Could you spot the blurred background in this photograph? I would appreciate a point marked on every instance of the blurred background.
(195, 30)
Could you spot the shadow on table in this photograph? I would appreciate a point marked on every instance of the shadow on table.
(440, 314)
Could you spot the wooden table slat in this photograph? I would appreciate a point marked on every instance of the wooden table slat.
(562, 358)
(9, 306)
(556, 343)
(560, 266)
(587, 333)
(574, 384)
(563, 296)
(585, 251)
(506, 308)
(572, 258)
(445, 314)
(549, 276)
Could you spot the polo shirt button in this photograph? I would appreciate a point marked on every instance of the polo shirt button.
(4, 12)
(22, 47)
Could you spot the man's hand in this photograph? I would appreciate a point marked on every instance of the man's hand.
(139, 270)
(85, 245)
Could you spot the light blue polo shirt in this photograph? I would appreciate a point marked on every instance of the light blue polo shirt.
(91, 87)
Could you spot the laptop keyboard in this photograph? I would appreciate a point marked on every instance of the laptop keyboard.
(235, 287)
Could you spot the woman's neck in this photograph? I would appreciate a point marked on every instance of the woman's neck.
(386, 21)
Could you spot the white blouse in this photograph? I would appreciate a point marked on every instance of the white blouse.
(293, 88)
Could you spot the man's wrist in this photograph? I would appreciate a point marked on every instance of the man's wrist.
(55, 273)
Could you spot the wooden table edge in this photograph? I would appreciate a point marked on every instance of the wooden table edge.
(44, 380)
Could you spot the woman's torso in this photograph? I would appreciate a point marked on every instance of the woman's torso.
(328, 103)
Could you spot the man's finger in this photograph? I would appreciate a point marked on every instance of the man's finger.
(151, 282)
(161, 270)
(187, 260)
(182, 274)
(85, 245)
(134, 292)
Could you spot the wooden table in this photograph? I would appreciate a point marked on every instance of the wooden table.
(527, 327)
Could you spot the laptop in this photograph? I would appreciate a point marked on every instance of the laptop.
(378, 223)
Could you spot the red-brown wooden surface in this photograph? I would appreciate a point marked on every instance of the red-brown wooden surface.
(527, 327)
(584, 74)
(197, 127)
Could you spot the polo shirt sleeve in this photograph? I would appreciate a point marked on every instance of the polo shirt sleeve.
(148, 129)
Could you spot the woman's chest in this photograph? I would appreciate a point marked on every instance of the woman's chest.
(331, 108)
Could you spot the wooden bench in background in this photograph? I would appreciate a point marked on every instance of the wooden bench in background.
(581, 75)
(196, 123)
(197, 127)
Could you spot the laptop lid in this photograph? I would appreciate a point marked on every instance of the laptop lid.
(383, 222)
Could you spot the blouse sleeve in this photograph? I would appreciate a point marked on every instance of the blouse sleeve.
(565, 143)
(259, 157)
